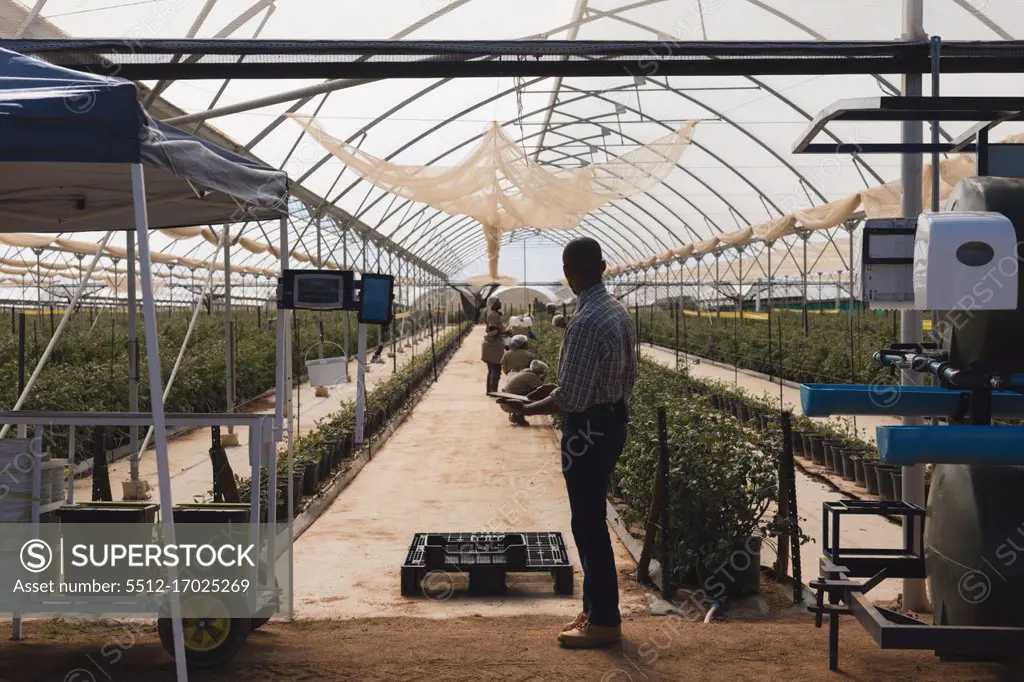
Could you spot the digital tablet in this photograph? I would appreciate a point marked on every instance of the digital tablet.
(510, 396)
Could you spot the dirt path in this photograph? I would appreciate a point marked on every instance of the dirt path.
(858, 531)
(455, 465)
(191, 472)
(463, 649)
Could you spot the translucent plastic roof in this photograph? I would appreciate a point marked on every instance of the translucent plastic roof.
(737, 172)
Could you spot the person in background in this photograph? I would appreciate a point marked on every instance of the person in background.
(383, 338)
(596, 374)
(493, 347)
(517, 358)
(525, 382)
(515, 326)
(528, 323)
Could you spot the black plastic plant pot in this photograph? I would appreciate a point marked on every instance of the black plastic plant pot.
(885, 487)
(297, 478)
(109, 512)
(797, 439)
(808, 449)
(897, 483)
(858, 471)
(849, 472)
(212, 512)
(871, 476)
(738, 575)
(818, 449)
(833, 460)
(309, 478)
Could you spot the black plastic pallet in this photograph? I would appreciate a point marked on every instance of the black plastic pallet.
(486, 558)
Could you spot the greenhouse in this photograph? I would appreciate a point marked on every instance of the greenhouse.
(342, 287)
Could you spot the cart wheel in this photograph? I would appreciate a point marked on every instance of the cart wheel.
(563, 580)
(212, 637)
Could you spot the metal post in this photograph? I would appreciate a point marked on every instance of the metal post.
(914, 594)
(346, 333)
(157, 406)
(360, 385)
(936, 53)
(430, 321)
(133, 355)
(666, 506)
(319, 264)
(794, 515)
(229, 439)
(21, 353)
(807, 329)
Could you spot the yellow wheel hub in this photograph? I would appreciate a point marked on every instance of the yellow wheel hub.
(205, 623)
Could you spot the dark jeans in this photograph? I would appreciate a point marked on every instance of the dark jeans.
(591, 444)
(493, 376)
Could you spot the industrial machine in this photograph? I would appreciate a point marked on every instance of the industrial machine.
(962, 264)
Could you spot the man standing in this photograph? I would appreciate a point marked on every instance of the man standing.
(596, 373)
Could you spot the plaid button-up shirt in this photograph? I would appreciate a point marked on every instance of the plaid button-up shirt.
(597, 362)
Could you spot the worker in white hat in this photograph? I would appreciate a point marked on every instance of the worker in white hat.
(525, 382)
(517, 357)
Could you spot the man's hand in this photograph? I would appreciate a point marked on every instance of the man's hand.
(541, 392)
(512, 406)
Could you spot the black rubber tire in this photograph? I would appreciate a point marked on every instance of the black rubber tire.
(238, 632)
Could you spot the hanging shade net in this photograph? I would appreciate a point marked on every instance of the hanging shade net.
(500, 187)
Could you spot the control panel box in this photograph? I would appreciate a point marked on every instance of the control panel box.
(885, 259)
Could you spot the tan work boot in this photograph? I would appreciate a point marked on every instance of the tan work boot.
(590, 636)
(576, 622)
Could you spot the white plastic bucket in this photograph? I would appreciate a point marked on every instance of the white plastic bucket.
(327, 372)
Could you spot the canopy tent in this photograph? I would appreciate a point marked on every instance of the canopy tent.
(499, 186)
(72, 136)
(74, 151)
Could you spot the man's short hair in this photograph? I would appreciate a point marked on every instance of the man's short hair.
(583, 250)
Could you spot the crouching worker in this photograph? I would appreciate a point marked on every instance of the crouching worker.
(525, 382)
(517, 358)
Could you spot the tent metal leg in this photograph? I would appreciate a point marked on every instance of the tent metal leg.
(361, 385)
(157, 404)
(133, 356)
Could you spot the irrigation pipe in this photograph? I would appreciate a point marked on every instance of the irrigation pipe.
(184, 345)
(60, 330)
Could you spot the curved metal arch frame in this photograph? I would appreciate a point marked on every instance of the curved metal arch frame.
(596, 14)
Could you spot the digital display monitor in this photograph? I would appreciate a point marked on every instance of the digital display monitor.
(318, 290)
(375, 301)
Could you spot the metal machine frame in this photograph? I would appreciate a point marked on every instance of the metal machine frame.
(838, 591)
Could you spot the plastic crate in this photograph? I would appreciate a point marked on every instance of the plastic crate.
(486, 558)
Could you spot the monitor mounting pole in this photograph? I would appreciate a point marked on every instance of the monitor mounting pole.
(915, 597)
